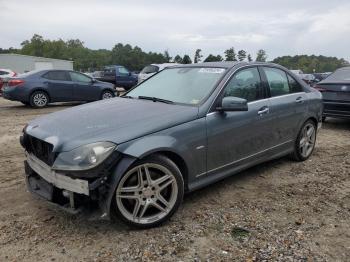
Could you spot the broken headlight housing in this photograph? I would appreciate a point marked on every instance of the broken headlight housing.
(84, 157)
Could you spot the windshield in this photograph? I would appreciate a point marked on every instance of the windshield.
(150, 69)
(189, 85)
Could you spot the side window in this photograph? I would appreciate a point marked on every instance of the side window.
(76, 77)
(3, 73)
(123, 71)
(294, 86)
(57, 75)
(277, 80)
(109, 69)
(245, 84)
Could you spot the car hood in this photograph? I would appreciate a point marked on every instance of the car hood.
(117, 120)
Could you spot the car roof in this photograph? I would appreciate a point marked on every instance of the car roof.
(228, 64)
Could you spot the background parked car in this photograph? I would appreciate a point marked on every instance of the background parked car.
(38, 88)
(151, 69)
(119, 75)
(335, 90)
(308, 78)
(4, 73)
(320, 76)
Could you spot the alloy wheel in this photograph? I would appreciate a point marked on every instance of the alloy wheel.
(40, 99)
(307, 140)
(146, 193)
(107, 95)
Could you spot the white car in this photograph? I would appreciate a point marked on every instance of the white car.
(5, 73)
(151, 69)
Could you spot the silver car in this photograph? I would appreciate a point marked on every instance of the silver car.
(185, 128)
(151, 69)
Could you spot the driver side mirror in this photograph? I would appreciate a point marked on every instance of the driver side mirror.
(231, 103)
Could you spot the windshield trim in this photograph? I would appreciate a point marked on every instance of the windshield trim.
(215, 86)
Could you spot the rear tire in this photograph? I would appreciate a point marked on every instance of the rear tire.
(149, 193)
(305, 143)
(39, 99)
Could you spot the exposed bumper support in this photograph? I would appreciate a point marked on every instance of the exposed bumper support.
(58, 180)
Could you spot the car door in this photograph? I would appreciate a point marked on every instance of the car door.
(123, 77)
(59, 86)
(84, 88)
(235, 137)
(288, 104)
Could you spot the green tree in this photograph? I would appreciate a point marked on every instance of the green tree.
(178, 59)
(310, 63)
(242, 55)
(213, 58)
(167, 57)
(261, 56)
(230, 54)
(186, 59)
(198, 56)
(249, 57)
(34, 46)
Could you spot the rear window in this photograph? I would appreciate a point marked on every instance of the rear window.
(342, 74)
(29, 73)
(150, 69)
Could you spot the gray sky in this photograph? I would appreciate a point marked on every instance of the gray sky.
(281, 27)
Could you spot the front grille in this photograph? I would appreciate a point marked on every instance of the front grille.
(39, 148)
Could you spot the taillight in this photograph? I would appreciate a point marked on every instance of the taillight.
(14, 74)
(15, 82)
(320, 88)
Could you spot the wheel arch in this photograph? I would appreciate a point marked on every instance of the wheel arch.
(107, 89)
(41, 90)
(177, 159)
(313, 119)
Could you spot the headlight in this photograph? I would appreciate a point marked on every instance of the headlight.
(84, 157)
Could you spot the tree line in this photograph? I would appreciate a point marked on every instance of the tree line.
(135, 58)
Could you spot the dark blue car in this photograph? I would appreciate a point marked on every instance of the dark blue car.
(38, 88)
(120, 76)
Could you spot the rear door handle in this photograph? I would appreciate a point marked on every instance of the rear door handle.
(263, 110)
(299, 100)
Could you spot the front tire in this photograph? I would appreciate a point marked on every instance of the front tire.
(39, 99)
(106, 94)
(305, 143)
(150, 192)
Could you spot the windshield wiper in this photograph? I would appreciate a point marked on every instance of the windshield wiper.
(156, 99)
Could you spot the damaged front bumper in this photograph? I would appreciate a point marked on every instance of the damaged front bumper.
(66, 191)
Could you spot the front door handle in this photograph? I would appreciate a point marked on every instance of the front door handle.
(263, 110)
(299, 100)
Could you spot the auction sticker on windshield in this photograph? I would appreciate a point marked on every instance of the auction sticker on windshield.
(211, 70)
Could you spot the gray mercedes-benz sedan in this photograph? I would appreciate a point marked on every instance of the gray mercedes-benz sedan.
(182, 129)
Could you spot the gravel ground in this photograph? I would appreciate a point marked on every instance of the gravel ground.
(281, 210)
